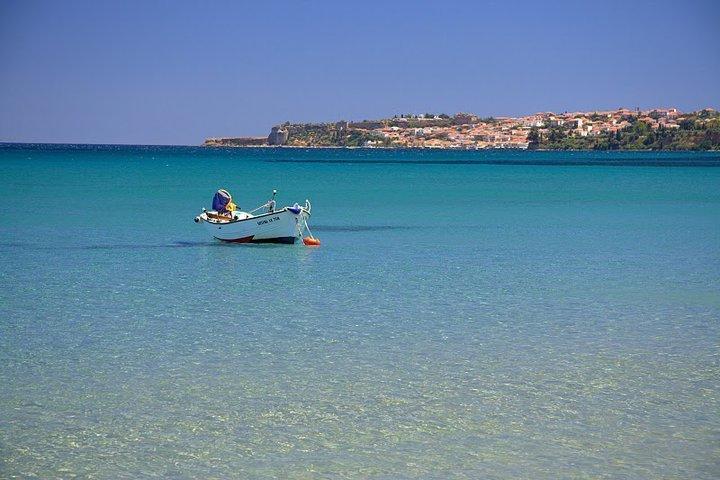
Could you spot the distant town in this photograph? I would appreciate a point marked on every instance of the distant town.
(621, 129)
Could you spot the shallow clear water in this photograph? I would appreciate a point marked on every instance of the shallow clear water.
(468, 315)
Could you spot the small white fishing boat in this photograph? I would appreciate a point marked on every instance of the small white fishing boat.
(285, 225)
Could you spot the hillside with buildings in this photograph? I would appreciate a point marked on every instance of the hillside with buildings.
(621, 129)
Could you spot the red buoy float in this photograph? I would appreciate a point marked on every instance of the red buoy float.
(311, 241)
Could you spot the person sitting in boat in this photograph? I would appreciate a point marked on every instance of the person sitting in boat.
(222, 203)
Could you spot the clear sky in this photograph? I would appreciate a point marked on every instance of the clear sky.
(152, 72)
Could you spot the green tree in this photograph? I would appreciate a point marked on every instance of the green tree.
(533, 138)
(555, 134)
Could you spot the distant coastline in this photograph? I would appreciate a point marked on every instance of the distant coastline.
(621, 129)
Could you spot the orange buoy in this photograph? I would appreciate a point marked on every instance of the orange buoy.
(311, 241)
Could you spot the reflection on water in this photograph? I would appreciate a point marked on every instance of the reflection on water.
(361, 228)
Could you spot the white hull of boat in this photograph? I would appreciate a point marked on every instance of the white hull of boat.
(282, 226)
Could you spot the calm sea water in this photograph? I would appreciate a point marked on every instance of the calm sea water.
(468, 315)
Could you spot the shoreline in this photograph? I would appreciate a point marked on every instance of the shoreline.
(444, 149)
(20, 145)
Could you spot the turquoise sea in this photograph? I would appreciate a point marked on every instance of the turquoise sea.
(469, 315)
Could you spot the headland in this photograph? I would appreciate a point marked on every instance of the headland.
(621, 129)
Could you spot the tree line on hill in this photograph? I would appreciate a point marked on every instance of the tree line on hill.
(696, 131)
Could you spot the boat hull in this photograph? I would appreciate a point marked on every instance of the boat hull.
(283, 226)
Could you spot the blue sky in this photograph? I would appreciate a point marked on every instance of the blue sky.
(175, 72)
